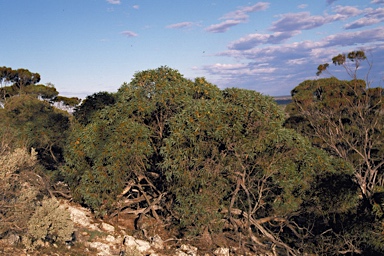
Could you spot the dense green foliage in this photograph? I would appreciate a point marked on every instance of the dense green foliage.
(39, 125)
(32, 136)
(83, 113)
(203, 162)
(22, 81)
(346, 119)
(19, 79)
(210, 160)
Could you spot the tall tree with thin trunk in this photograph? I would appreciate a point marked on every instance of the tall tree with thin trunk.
(346, 118)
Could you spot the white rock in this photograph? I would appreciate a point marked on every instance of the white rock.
(221, 252)
(138, 244)
(142, 245)
(79, 216)
(157, 242)
(107, 227)
(181, 253)
(129, 241)
(188, 250)
(103, 249)
(93, 227)
(119, 240)
(110, 239)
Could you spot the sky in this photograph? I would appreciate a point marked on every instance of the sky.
(88, 46)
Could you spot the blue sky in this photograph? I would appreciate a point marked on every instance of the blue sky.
(88, 46)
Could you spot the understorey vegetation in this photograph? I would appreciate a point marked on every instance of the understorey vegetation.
(205, 164)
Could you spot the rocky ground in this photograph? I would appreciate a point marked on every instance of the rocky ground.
(118, 236)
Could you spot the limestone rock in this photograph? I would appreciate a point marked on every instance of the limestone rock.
(110, 239)
(103, 249)
(157, 242)
(81, 216)
(107, 227)
(181, 253)
(221, 252)
(186, 250)
(140, 245)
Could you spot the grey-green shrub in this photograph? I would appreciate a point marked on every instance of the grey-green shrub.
(19, 188)
(50, 223)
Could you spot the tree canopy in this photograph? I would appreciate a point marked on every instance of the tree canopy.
(203, 162)
(345, 118)
(206, 160)
(40, 125)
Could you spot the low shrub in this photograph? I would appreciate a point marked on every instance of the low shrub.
(50, 223)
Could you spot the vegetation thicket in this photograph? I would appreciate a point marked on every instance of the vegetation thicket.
(200, 159)
(32, 138)
(212, 166)
(345, 118)
(26, 213)
(37, 122)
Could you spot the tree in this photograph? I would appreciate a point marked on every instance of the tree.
(19, 78)
(23, 78)
(14, 82)
(67, 103)
(46, 92)
(28, 109)
(42, 126)
(83, 112)
(345, 118)
(231, 162)
(124, 135)
(205, 160)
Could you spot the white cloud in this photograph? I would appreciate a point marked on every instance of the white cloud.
(180, 25)
(242, 12)
(371, 16)
(128, 33)
(299, 61)
(239, 69)
(114, 1)
(347, 10)
(223, 27)
(377, 2)
(237, 17)
(302, 6)
(375, 13)
(361, 23)
(253, 40)
(277, 69)
(136, 7)
(303, 21)
(297, 50)
(357, 37)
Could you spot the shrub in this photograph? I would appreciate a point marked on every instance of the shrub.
(50, 223)
(17, 193)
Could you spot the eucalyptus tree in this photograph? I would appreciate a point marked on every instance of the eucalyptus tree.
(18, 78)
(230, 163)
(91, 104)
(346, 119)
(39, 125)
(205, 160)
